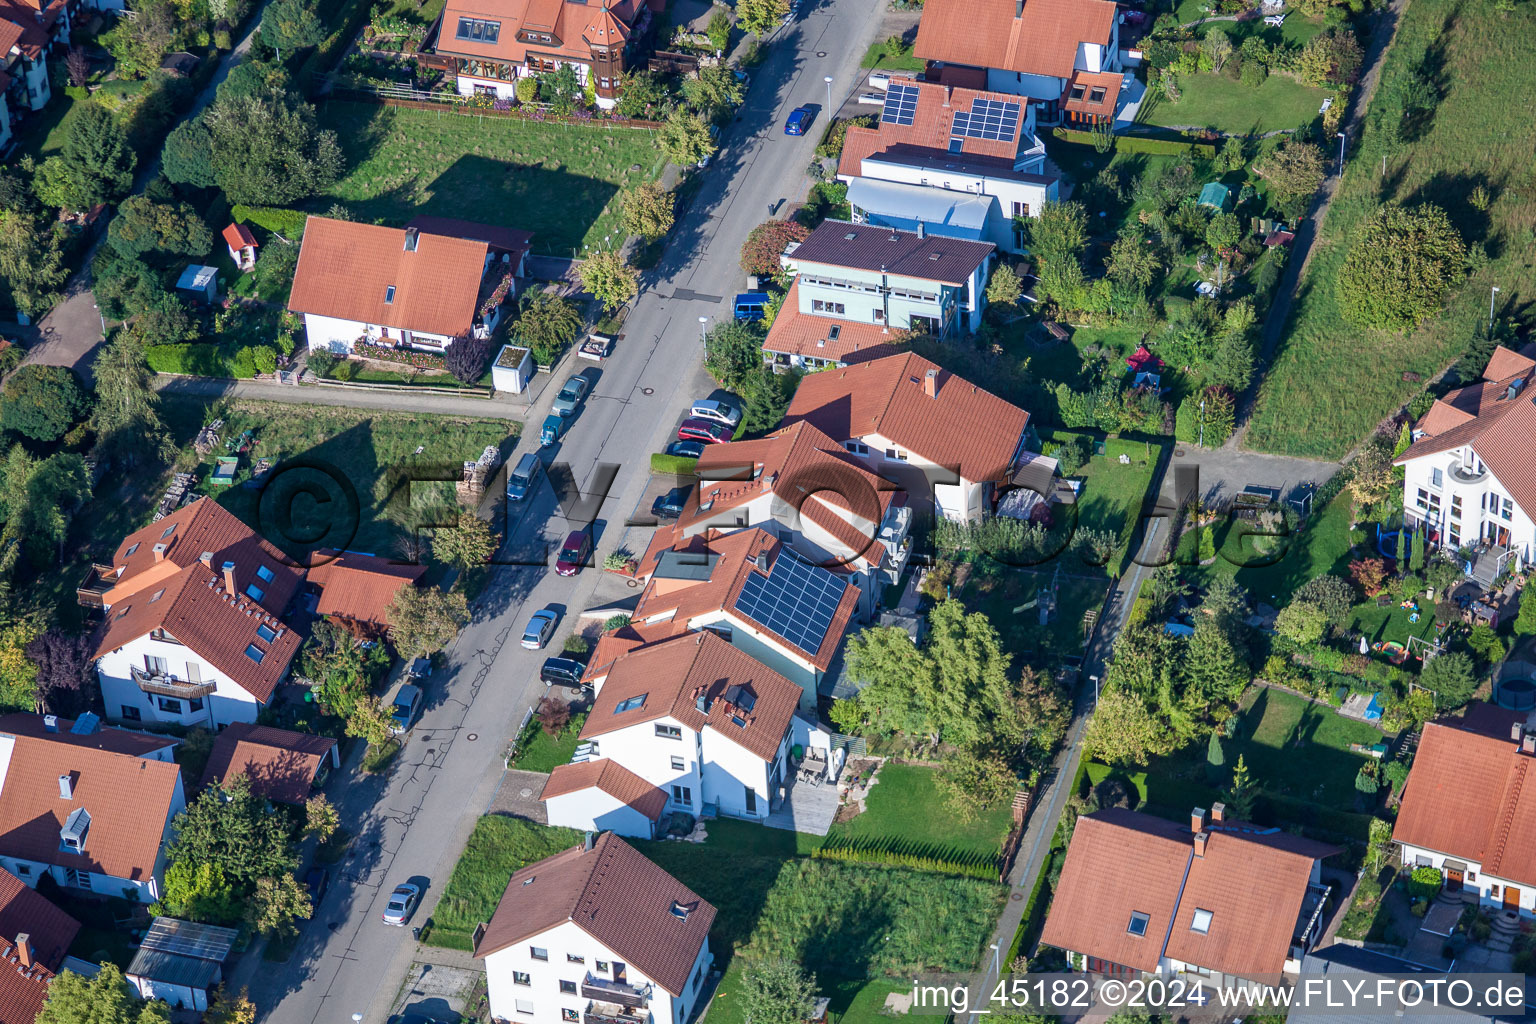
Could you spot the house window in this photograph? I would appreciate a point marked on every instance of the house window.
(255, 653)
(677, 764)
(1509, 509)
(538, 952)
(254, 592)
(168, 531)
(698, 977)
(856, 447)
(669, 732)
(129, 713)
(523, 1006)
(568, 988)
(567, 1014)
(1201, 922)
(389, 295)
(265, 574)
(1138, 925)
(600, 966)
(265, 632)
(1021, 209)
(879, 316)
(130, 551)
(1096, 95)
(24, 870)
(195, 704)
(1436, 478)
(896, 453)
(170, 705)
(521, 978)
(682, 795)
(1471, 876)
(155, 666)
(575, 959)
(477, 30)
(629, 704)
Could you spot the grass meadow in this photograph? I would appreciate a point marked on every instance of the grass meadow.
(1330, 382)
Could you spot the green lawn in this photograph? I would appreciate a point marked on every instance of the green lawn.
(1331, 381)
(352, 454)
(1062, 362)
(880, 56)
(541, 752)
(905, 812)
(556, 180)
(997, 594)
(498, 847)
(1296, 31)
(1214, 101)
(1391, 623)
(857, 927)
(1322, 545)
(1298, 749)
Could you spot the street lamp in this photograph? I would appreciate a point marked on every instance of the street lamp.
(1341, 152)
(1491, 294)
(996, 967)
(703, 335)
(357, 1018)
(828, 80)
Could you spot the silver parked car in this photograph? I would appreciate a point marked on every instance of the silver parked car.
(402, 902)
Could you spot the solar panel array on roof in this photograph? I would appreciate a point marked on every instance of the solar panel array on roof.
(987, 119)
(900, 104)
(796, 600)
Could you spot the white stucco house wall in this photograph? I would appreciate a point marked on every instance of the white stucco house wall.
(596, 934)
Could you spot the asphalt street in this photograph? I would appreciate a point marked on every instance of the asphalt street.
(413, 822)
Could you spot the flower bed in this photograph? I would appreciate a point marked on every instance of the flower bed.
(408, 356)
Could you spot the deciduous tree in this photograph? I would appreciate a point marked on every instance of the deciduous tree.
(766, 243)
(289, 25)
(1451, 677)
(466, 356)
(759, 17)
(646, 210)
(225, 1008)
(1401, 267)
(1133, 262)
(685, 138)
(1293, 172)
(104, 999)
(199, 892)
(466, 545)
(976, 781)
(609, 278)
(713, 91)
(42, 402)
(547, 325)
(1301, 623)
(424, 620)
(1125, 730)
(276, 903)
(733, 351)
(776, 990)
(321, 819)
(268, 150)
(66, 671)
(228, 827)
(1004, 287)
(369, 720)
(32, 270)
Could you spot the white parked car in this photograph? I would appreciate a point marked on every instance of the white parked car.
(539, 629)
(401, 904)
(720, 412)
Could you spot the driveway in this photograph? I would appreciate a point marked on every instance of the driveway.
(414, 823)
(1226, 472)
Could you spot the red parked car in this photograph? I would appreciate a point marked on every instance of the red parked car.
(577, 547)
(708, 431)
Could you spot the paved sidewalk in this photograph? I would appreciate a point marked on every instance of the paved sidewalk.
(500, 407)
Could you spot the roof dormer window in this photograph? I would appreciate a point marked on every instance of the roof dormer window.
(389, 295)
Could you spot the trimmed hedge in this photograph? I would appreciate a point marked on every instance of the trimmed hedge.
(677, 465)
(204, 359)
(1137, 144)
(894, 858)
(288, 223)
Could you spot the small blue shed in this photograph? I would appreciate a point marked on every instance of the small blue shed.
(199, 283)
(1215, 194)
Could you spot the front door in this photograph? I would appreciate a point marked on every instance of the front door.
(751, 800)
(1453, 879)
(1511, 898)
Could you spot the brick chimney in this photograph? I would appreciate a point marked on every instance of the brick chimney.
(24, 950)
(159, 550)
(1200, 838)
(1218, 813)
(206, 558)
(1197, 820)
(229, 576)
(931, 384)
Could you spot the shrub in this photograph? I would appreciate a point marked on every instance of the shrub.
(527, 90)
(936, 865)
(1424, 883)
(674, 465)
(288, 223)
(576, 644)
(615, 622)
(1401, 267)
(766, 243)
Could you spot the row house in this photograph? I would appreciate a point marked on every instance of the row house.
(493, 43)
(1467, 479)
(1219, 900)
(596, 934)
(415, 287)
(964, 163)
(1062, 55)
(35, 937)
(28, 30)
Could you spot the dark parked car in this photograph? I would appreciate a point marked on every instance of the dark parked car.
(318, 880)
(577, 547)
(686, 449)
(562, 672)
(697, 429)
(670, 505)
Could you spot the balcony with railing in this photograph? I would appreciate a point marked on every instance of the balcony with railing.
(163, 685)
(92, 590)
(603, 990)
(613, 1013)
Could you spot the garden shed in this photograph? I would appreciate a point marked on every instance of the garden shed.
(199, 283)
(1216, 195)
(513, 369)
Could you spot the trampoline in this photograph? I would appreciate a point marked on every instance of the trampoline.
(1386, 542)
(1515, 687)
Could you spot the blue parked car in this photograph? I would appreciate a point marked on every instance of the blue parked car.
(799, 120)
(751, 305)
(553, 429)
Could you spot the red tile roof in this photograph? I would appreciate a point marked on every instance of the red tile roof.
(499, 238)
(610, 777)
(204, 526)
(675, 674)
(1077, 94)
(618, 897)
(1121, 862)
(931, 127)
(217, 626)
(808, 472)
(617, 642)
(729, 559)
(962, 425)
(49, 931)
(940, 258)
(1495, 423)
(238, 236)
(1472, 796)
(360, 587)
(128, 798)
(576, 25)
(811, 336)
(27, 26)
(280, 764)
(1036, 37)
(117, 741)
(346, 270)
